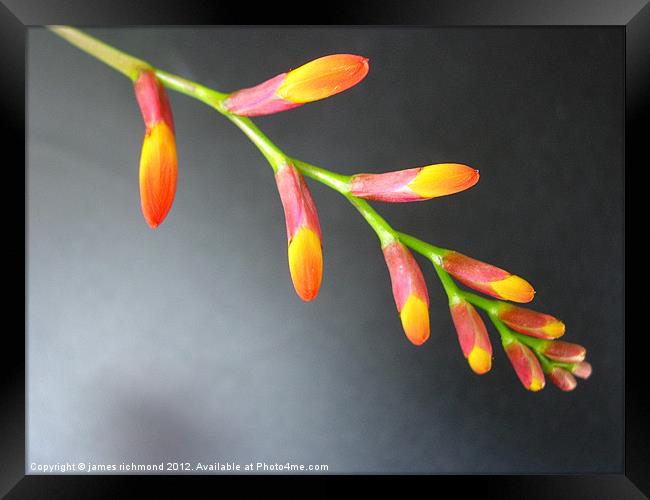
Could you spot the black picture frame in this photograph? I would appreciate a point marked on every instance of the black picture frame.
(633, 16)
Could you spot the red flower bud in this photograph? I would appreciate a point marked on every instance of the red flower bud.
(582, 370)
(562, 379)
(564, 352)
(303, 232)
(531, 323)
(526, 365)
(473, 337)
(487, 278)
(409, 291)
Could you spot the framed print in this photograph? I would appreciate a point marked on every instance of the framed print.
(449, 301)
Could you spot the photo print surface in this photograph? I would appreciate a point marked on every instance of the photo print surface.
(187, 344)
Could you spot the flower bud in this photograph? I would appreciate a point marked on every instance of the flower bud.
(487, 278)
(562, 379)
(158, 163)
(582, 370)
(318, 79)
(526, 365)
(531, 322)
(564, 352)
(472, 335)
(409, 291)
(414, 184)
(303, 232)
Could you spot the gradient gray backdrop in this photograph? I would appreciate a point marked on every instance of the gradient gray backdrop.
(188, 343)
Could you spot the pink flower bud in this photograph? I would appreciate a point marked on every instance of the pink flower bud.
(531, 323)
(582, 370)
(414, 184)
(526, 366)
(473, 337)
(318, 79)
(562, 379)
(487, 278)
(303, 232)
(409, 291)
(564, 352)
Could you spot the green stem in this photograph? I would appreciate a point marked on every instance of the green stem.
(384, 231)
(338, 182)
(552, 364)
(546, 364)
(454, 294)
(507, 335)
(116, 59)
(214, 99)
(532, 342)
(341, 183)
(192, 89)
(433, 253)
(271, 152)
(488, 305)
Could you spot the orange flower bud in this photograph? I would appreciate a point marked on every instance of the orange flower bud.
(532, 323)
(409, 291)
(158, 164)
(306, 263)
(323, 77)
(414, 184)
(318, 79)
(303, 232)
(473, 336)
(487, 278)
(526, 365)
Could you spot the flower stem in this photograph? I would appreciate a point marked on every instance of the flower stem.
(338, 182)
(271, 152)
(341, 183)
(215, 99)
(384, 231)
(490, 306)
(431, 252)
(116, 59)
(192, 89)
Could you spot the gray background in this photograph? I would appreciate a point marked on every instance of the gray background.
(188, 343)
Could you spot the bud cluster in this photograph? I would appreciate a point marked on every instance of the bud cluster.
(529, 338)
